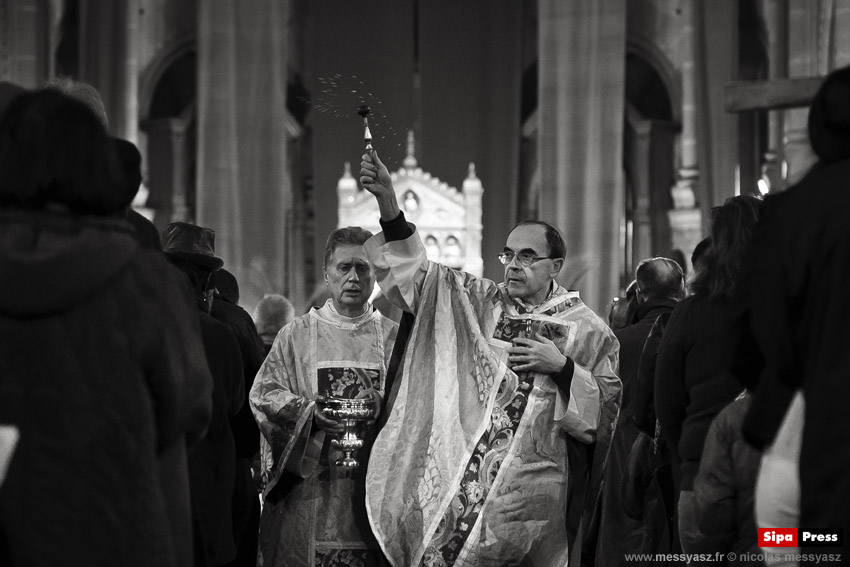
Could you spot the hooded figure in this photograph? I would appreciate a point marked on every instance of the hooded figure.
(103, 370)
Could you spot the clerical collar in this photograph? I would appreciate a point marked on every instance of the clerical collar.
(332, 311)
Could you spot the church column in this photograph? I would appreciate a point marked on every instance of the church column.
(244, 187)
(23, 42)
(581, 104)
(841, 39)
(109, 60)
(685, 217)
(684, 192)
(776, 17)
(804, 54)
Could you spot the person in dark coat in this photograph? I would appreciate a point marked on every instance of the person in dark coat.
(212, 465)
(103, 368)
(226, 286)
(129, 158)
(797, 283)
(660, 286)
(253, 353)
(693, 381)
(724, 489)
(131, 165)
(246, 502)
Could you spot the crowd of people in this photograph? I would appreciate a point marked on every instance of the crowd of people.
(147, 419)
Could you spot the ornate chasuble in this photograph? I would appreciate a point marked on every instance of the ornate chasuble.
(320, 517)
(471, 467)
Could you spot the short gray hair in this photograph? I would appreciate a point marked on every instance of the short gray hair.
(83, 92)
(272, 313)
(353, 235)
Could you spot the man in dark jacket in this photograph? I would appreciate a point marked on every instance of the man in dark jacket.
(797, 281)
(212, 464)
(660, 286)
(246, 503)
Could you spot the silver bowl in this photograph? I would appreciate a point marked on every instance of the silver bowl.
(353, 413)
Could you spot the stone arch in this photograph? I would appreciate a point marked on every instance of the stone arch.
(152, 76)
(652, 115)
(651, 55)
(167, 107)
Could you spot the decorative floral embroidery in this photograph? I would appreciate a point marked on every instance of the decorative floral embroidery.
(346, 382)
(432, 558)
(351, 557)
(481, 470)
(508, 328)
(485, 462)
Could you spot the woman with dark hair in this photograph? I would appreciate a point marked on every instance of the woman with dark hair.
(103, 370)
(692, 380)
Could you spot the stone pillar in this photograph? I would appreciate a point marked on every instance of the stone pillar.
(684, 192)
(109, 60)
(346, 190)
(168, 183)
(244, 173)
(841, 40)
(776, 18)
(23, 42)
(580, 138)
(685, 217)
(803, 61)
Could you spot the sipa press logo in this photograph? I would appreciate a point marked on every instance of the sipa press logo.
(800, 537)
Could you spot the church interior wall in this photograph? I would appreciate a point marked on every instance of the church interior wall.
(474, 65)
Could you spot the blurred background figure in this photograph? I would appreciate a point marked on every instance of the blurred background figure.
(131, 165)
(659, 287)
(226, 287)
(693, 382)
(272, 313)
(318, 298)
(104, 372)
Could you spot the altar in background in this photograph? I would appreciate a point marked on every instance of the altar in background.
(448, 219)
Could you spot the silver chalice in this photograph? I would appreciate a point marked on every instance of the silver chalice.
(353, 413)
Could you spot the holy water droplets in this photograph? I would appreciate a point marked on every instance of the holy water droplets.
(340, 97)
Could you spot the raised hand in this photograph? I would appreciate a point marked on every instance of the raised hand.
(376, 179)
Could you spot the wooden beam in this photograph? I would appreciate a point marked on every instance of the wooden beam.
(742, 96)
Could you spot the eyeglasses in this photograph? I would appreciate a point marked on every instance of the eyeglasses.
(525, 259)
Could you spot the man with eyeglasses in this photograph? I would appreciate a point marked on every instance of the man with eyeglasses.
(505, 391)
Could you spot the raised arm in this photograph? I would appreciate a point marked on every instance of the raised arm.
(376, 179)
